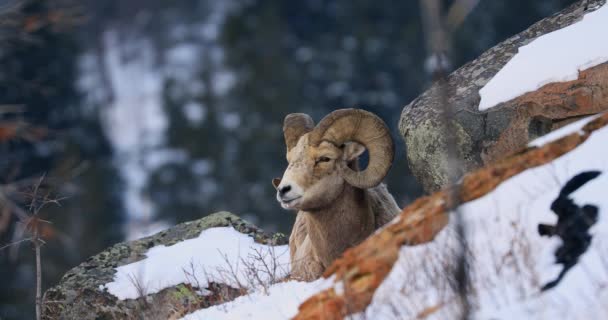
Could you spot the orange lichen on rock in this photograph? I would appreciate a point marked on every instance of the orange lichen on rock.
(361, 269)
(558, 103)
(585, 95)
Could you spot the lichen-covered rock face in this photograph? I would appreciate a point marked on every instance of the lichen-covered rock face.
(77, 296)
(484, 137)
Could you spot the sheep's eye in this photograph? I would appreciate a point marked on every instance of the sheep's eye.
(323, 159)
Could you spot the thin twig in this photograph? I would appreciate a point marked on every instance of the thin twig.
(37, 245)
(29, 221)
(15, 243)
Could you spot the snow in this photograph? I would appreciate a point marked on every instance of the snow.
(124, 82)
(208, 258)
(195, 112)
(160, 157)
(136, 116)
(576, 126)
(554, 57)
(280, 302)
(135, 123)
(509, 260)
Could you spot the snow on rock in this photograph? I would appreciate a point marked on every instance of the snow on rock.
(220, 255)
(561, 132)
(280, 302)
(509, 260)
(554, 57)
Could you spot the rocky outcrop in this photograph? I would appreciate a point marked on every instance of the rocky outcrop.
(362, 269)
(78, 295)
(484, 137)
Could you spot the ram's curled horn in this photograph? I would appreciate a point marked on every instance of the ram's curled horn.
(294, 126)
(365, 128)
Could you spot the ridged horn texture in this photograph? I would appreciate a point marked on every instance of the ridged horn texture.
(294, 126)
(365, 128)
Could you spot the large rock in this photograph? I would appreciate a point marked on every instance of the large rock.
(484, 137)
(77, 296)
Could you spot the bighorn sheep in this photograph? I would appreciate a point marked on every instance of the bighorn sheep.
(339, 206)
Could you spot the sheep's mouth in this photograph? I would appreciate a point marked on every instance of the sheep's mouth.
(290, 203)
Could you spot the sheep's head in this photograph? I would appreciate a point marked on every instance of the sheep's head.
(322, 159)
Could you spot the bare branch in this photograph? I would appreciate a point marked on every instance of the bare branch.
(37, 245)
(15, 243)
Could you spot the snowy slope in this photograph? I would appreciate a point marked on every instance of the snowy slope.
(509, 261)
(554, 57)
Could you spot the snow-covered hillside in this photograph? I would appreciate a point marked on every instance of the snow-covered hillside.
(508, 260)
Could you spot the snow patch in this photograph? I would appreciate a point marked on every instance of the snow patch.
(281, 302)
(554, 57)
(576, 126)
(198, 261)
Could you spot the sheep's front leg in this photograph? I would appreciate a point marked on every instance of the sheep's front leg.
(305, 265)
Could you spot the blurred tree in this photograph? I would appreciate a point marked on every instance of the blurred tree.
(314, 57)
(37, 72)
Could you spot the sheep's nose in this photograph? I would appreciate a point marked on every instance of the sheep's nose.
(284, 190)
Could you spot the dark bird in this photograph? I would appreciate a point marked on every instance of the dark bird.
(573, 223)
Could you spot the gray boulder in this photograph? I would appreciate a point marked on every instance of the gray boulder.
(77, 296)
(483, 137)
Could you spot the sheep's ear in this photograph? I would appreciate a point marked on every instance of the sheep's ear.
(276, 182)
(352, 150)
